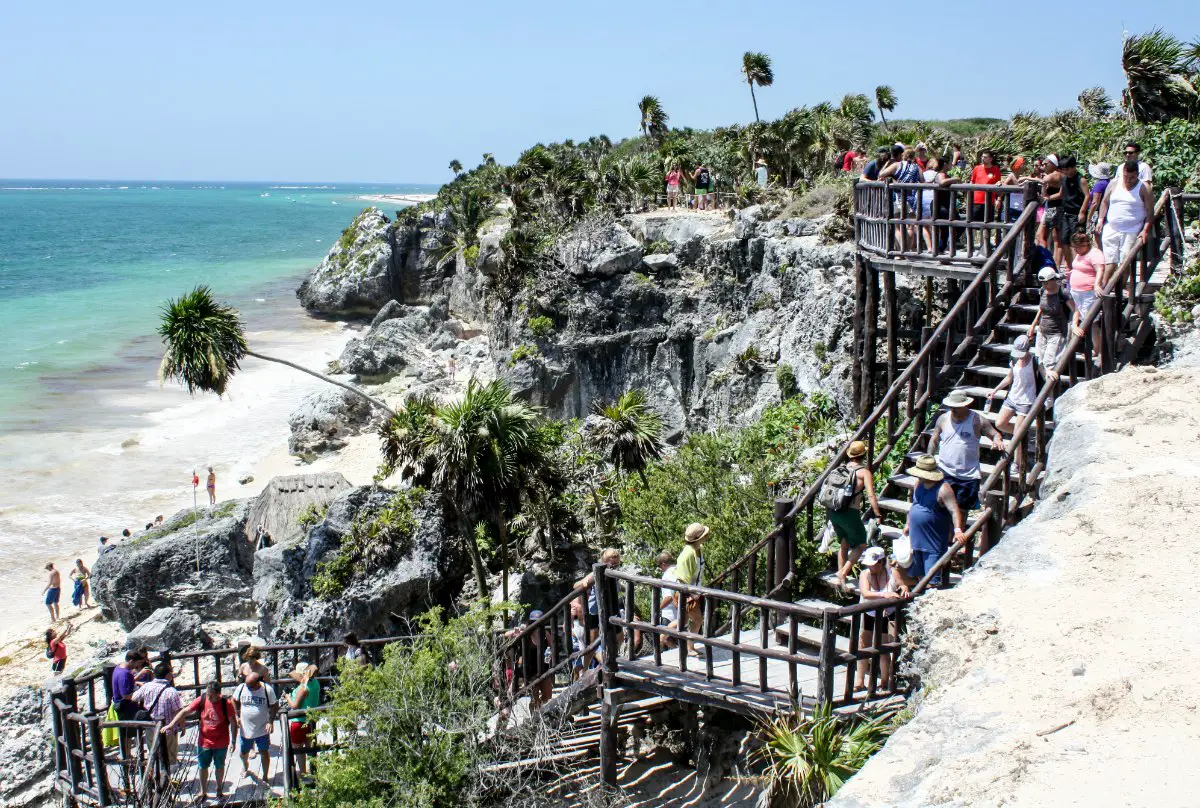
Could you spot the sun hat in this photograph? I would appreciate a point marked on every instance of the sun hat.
(761, 162)
(1100, 171)
(856, 449)
(871, 556)
(902, 551)
(956, 399)
(696, 533)
(303, 669)
(927, 469)
(1020, 347)
(1047, 274)
(1018, 163)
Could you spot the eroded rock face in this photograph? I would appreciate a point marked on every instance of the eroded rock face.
(389, 347)
(372, 604)
(168, 629)
(355, 279)
(25, 762)
(159, 568)
(325, 419)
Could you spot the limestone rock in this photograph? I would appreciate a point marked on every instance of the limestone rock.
(660, 261)
(158, 568)
(387, 349)
(599, 250)
(285, 499)
(355, 277)
(25, 762)
(325, 419)
(168, 629)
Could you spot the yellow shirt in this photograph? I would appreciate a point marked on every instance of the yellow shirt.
(687, 568)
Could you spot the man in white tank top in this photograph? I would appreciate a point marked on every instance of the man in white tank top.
(955, 442)
(1124, 215)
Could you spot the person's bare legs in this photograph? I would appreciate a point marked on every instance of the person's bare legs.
(864, 665)
(844, 570)
(265, 757)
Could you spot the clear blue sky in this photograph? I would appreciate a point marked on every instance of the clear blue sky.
(390, 92)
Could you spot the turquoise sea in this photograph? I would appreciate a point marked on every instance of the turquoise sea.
(90, 442)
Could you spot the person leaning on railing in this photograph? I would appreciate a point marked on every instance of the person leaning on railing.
(933, 514)
(875, 584)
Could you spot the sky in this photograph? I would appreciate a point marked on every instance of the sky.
(391, 92)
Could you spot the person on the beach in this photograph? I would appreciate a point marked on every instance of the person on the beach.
(218, 729)
(354, 650)
(161, 700)
(305, 696)
(158, 520)
(81, 575)
(211, 485)
(874, 584)
(257, 705)
(52, 590)
(848, 523)
(933, 514)
(125, 534)
(56, 649)
(955, 441)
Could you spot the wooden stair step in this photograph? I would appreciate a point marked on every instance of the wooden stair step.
(894, 505)
(809, 636)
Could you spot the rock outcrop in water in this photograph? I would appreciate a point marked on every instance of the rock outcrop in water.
(698, 309)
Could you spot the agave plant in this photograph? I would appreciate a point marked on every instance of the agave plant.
(809, 758)
(654, 118)
(206, 342)
(756, 69)
(1159, 78)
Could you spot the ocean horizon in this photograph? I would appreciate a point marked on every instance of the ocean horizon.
(90, 441)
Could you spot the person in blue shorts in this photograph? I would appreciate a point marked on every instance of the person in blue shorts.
(257, 705)
(52, 591)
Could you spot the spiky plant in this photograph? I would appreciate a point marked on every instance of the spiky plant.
(809, 758)
(1159, 83)
(205, 343)
(885, 99)
(756, 69)
(1094, 103)
(654, 118)
(628, 432)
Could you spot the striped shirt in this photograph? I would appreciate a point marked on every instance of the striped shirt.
(160, 698)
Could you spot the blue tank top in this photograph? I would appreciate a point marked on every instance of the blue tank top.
(929, 521)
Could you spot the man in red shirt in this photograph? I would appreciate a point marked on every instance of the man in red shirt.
(218, 728)
(983, 204)
(848, 160)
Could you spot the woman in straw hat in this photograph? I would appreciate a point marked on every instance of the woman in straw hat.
(305, 696)
(875, 586)
(933, 513)
(689, 569)
(848, 524)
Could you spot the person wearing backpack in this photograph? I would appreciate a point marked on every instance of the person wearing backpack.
(842, 497)
(218, 728)
(703, 179)
(56, 649)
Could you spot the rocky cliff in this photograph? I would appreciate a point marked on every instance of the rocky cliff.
(698, 309)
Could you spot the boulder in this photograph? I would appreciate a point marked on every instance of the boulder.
(600, 249)
(25, 762)
(168, 629)
(355, 277)
(324, 419)
(660, 261)
(286, 499)
(376, 603)
(158, 568)
(389, 347)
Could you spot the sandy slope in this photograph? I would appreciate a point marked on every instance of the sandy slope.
(1086, 613)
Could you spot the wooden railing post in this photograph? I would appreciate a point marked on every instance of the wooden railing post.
(1175, 228)
(99, 768)
(870, 340)
(57, 723)
(784, 541)
(72, 734)
(828, 656)
(858, 324)
(606, 601)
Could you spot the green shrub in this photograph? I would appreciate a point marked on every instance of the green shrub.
(763, 302)
(659, 247)
(314, 514)
(540, 326)
(785, 377)
(377, 537)
(471, 255)
(748, 361)
(820, 351)
(1174, 302)
(522, 352)
(641, 279)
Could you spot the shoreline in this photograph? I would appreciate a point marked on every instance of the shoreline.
(397, 199)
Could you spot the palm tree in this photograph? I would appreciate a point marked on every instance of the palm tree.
(484, 452)
(205, 344)
(467, 212)
(809, 759)
(456, 167)
(885, 99)
(489, 159)
(756, 69)
(1094, 103)
(1159, 84)
(654, 118)
(629, 432)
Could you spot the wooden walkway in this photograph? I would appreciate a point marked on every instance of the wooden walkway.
(240, 787)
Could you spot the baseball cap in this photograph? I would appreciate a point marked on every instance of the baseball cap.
(1047, 274)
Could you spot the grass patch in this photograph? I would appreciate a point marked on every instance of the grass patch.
(658, 247)
(377, 538)
(541, 326)
(522, 352)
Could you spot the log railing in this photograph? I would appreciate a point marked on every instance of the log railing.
(767, 569)
(543, 649)
(929, 221)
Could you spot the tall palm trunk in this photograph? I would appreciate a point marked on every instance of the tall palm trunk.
(374, 401)
(468, 532)
(883, 120)
(754, 101)
(503, 527)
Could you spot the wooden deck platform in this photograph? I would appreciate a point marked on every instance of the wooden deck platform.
(241, 787)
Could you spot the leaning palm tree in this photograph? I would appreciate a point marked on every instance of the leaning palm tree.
(885, 99)
(629, 432)
(1159, 85)
(654, 118)
(456, 167)
(484, 451)
(206, 342)
(489, 159)
(1094, 103)
(756, 69)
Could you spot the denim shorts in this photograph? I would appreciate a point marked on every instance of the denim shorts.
(263, 742)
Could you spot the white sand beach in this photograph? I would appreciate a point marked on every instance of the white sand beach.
(397, 199)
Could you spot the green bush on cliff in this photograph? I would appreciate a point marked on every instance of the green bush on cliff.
(377, 537)
(541, 326)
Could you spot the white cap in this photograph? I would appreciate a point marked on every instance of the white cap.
(1051, 158)
(1047, 274)
(871, 556)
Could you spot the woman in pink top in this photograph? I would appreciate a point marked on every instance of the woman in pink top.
(673, 177)
(1087, 278)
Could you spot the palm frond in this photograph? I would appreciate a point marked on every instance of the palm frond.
(204, 340)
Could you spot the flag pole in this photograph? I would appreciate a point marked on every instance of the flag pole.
(196, 518)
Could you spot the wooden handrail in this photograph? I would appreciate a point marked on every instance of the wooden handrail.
(807, 612)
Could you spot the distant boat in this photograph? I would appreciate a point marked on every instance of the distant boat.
(333, 201)
(262, 195)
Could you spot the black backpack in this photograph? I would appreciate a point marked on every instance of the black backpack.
(837, 492)
(224, 703)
